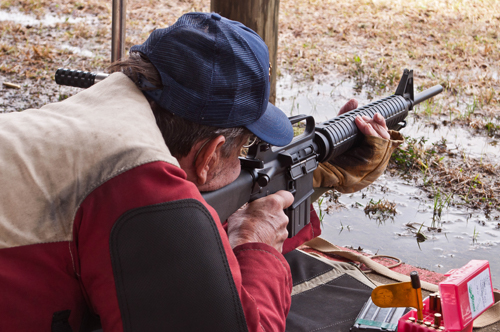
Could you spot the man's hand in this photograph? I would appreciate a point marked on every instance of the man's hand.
(262, 220)
(369, 127)
(364, 162)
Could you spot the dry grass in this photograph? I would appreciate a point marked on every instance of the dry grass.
(450, 42)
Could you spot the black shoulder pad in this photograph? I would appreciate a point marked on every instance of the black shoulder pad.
(171, 270)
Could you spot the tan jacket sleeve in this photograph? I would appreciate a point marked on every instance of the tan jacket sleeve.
(357, 167)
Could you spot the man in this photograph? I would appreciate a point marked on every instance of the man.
(99, 217)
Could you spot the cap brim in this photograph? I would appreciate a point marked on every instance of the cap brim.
(273, 127)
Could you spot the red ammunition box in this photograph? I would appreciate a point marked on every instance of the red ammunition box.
(465, 294)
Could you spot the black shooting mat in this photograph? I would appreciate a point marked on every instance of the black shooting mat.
(332, 306)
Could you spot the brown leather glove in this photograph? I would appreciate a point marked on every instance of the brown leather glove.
(356, 168)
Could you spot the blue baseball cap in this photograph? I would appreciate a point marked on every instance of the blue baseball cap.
(215, 72)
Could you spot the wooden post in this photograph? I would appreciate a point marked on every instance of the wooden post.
(118, 18)
(260, 16)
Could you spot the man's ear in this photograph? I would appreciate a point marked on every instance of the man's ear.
(208, 158)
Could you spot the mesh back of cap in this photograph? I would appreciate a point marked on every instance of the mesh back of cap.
(209, 72)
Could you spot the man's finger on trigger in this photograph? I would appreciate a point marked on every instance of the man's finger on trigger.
(286, 198)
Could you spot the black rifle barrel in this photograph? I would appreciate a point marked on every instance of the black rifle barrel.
(337, 135)
(429, 93)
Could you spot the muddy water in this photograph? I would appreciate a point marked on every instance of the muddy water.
(450, 242)
(47, 20)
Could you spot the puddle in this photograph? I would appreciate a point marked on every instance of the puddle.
(459, 236)
(465, 234)
(457, 138)
(322, 99)
(18, 17)
(77, 50)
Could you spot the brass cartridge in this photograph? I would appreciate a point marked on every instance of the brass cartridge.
(438, 304)
(437, 319)
(432, 302)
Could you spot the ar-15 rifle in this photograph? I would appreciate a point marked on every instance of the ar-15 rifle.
(267, 169)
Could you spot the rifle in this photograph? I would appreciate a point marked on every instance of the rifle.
(267, 169)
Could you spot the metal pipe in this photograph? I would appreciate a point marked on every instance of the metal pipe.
(118, 17)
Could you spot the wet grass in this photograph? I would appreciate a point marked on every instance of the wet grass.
(449, 178)
(421, 232)
(441, 201)
(475, 235)
(321, 210)
(380, 210)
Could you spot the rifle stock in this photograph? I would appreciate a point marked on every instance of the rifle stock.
(267, 169)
